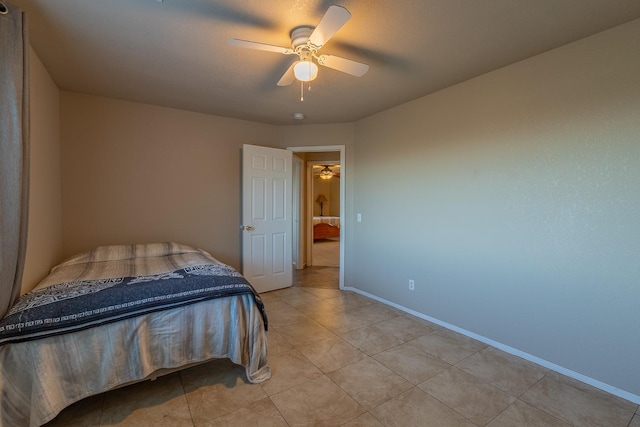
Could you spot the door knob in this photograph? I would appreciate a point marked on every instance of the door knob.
(248, 228)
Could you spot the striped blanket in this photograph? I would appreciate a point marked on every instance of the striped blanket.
(111, 283)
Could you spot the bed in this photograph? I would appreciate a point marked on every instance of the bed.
(121, 314)
(326, 227)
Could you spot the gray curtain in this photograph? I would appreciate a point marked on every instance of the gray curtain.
(14, 150)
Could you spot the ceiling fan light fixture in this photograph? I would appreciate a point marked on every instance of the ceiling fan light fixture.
(326, 173)
(305, 71)
(306, 41)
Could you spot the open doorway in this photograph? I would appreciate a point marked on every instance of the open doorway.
(324, 195)
(319, 216)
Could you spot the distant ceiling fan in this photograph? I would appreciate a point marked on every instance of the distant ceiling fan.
(306, 41)
(326, 172)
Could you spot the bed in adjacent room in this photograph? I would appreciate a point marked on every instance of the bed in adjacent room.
(117, 315)
(326, 227)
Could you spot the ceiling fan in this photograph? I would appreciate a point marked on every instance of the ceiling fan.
(306, 41)
(327, 173)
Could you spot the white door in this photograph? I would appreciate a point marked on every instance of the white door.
(266, 217)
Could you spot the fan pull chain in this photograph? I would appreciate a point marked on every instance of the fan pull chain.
(302, 90)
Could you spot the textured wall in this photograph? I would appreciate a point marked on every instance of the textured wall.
(134, 173)
(513, 202)
(44, 242)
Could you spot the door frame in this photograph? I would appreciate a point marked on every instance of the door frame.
(309, 229)
(298, 209)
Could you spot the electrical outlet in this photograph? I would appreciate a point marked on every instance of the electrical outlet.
(412, 285)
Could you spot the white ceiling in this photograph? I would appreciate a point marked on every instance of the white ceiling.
(175, 53)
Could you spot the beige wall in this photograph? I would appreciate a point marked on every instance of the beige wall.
(317, 135)
(513, 201)
(44, 242)
(331, 190)
(138, 173)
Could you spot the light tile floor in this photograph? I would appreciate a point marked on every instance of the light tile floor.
(341, 359)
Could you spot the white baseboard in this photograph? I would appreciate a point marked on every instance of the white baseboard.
(552, 366)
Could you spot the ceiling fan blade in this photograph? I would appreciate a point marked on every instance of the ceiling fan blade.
(348, 66)
(331, 22)
(288, 77)
(260, 46)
